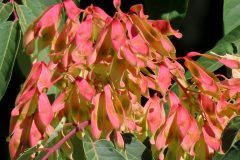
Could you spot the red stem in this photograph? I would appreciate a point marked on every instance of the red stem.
(53, 149)
(14, 11)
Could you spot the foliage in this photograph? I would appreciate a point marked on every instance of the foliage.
(172, 10)
(83, 96)
(230, 15)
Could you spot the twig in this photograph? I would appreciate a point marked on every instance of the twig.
(14, 11)
(53, 149)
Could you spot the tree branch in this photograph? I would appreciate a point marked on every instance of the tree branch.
(53, 149)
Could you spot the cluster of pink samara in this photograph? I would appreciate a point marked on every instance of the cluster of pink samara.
(103, 66)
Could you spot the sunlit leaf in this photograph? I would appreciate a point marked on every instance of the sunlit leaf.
(25, 16)
(100, 150)
(231, 15)
(37, 7)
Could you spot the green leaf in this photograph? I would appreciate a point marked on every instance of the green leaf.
(27, 13)
(25, 16)
(6, 10)
(231, 14)
(173, 10)
(57, 130)
(40, 55)
(100, 150)
(31, 10)
(77, 2)
(37, 7)
(229, 44)
(134, 149)
(78, 150)
(28, 152)
(24, 62)
(173, 147)
(233, 154)
(166, 108)
(52, 93)
(230, 141)
(52, 139)
(10, 41)
(60, 155)
(231, 134)
(217, 156)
